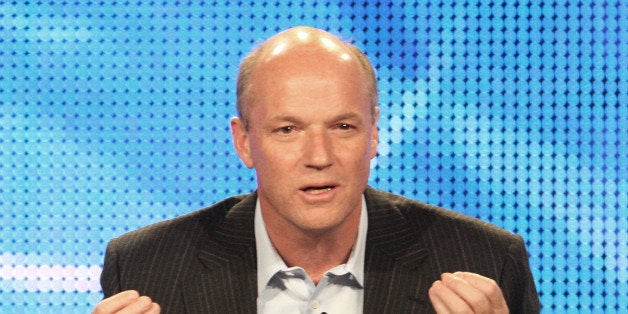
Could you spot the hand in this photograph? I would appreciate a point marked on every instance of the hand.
(464, 292)
(125, 302)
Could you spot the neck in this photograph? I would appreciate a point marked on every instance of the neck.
(315, 251)
(315, 255)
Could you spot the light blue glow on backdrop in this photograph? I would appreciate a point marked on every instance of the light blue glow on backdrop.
(114, 115)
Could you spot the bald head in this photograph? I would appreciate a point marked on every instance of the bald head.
(303, 49)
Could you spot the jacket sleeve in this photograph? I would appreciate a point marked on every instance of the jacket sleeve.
(109, 278)
(517, 282)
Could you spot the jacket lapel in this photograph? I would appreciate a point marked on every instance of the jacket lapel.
(223, 279)
(394, 282)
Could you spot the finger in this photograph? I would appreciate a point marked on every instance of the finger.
(142, 305)
(437, 302)
(154, 309)
(474, 298)
(445, 300)
(488, 286)
(116, 302)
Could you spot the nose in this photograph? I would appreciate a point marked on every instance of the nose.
(318, 150)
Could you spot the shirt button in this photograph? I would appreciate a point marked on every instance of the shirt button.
(314, 304)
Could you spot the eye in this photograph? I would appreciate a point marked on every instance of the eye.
(285, 129)
(345, 126)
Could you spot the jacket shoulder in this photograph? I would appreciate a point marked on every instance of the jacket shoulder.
(175, 229)
(429, 217)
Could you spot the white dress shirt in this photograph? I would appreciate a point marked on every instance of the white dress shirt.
(287, 290)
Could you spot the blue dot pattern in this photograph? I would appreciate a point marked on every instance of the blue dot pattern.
(114, 115)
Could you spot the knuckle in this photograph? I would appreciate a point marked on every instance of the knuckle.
(479, 303)
(493, 289)
(156, 308)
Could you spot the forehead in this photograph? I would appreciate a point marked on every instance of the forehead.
(318, 84)
(295, 68)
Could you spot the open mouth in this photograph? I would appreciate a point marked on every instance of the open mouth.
(317, 189)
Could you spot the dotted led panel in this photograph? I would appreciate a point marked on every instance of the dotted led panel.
(114, 115)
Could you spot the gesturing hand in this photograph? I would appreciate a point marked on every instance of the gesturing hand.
(129, 302)
(464, 292)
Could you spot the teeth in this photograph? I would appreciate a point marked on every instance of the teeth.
(318, 190)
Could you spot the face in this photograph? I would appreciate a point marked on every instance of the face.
(310, 139)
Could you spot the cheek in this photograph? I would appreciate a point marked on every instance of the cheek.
(358, 153)
(271, 156)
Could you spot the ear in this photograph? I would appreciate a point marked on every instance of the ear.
(241, 141)
(374, 133)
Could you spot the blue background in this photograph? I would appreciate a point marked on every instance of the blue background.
(114, 115)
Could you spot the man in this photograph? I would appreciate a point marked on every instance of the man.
(314, 238)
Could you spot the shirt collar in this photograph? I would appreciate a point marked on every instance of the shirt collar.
(269, 262)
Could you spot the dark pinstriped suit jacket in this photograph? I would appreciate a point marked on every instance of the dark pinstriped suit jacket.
(205, 261)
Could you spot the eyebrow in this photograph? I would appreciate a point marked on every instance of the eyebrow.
(347, 116)
(285, 118)
(294, 119)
